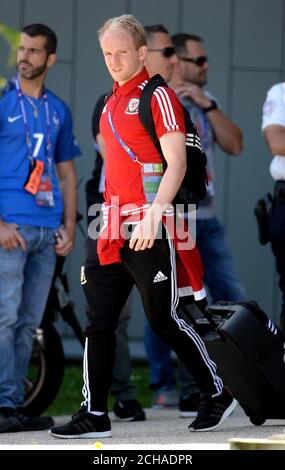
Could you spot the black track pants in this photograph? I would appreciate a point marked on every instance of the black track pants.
(107, 289)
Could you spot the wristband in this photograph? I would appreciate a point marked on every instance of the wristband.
(212, 106)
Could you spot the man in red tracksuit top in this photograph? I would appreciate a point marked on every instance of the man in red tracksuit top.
(138, 196)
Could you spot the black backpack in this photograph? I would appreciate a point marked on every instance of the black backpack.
(194, 185)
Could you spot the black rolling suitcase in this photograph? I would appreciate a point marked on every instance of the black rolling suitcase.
(249, 351)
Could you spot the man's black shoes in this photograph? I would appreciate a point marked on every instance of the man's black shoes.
(213, 411)
(84, 425)
(14, 421)
(129, 410)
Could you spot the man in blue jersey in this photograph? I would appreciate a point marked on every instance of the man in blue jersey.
(37, 217)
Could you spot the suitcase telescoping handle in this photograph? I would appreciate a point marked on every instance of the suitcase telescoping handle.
(205, 313)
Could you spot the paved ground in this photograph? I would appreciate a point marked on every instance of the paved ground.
(163, 429)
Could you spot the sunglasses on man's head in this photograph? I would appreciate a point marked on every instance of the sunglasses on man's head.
(166, 51)
(201, 60)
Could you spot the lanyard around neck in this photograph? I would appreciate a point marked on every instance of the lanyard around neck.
(27, 130)
(127, 149)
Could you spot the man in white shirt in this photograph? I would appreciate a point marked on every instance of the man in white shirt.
(273, 127)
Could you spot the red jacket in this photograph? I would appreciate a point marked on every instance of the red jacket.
(188, 260)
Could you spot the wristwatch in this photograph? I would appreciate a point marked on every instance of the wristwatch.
(212, 106)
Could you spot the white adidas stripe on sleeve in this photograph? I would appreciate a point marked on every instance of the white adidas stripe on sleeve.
(166, 109)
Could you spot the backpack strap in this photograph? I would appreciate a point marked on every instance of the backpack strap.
(145, 112)
(107, 96)
(194, 185)
(146, 118)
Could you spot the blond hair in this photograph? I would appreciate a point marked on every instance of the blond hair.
(127, 23)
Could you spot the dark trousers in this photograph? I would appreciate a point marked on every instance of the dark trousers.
(122, 388)
(107, 289)
(278, 239)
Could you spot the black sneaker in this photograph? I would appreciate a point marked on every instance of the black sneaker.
(189, 406)
(84, 425)
(13, 421)
(34, 423)
(8, 421)
(129, 410)
(213, 411)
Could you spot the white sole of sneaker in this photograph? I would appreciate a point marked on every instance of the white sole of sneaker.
(124, 420)
(130, 419)
(188, 414)
(88, 435)
(227, 413)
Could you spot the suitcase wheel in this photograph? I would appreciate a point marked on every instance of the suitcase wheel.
(257, 420)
